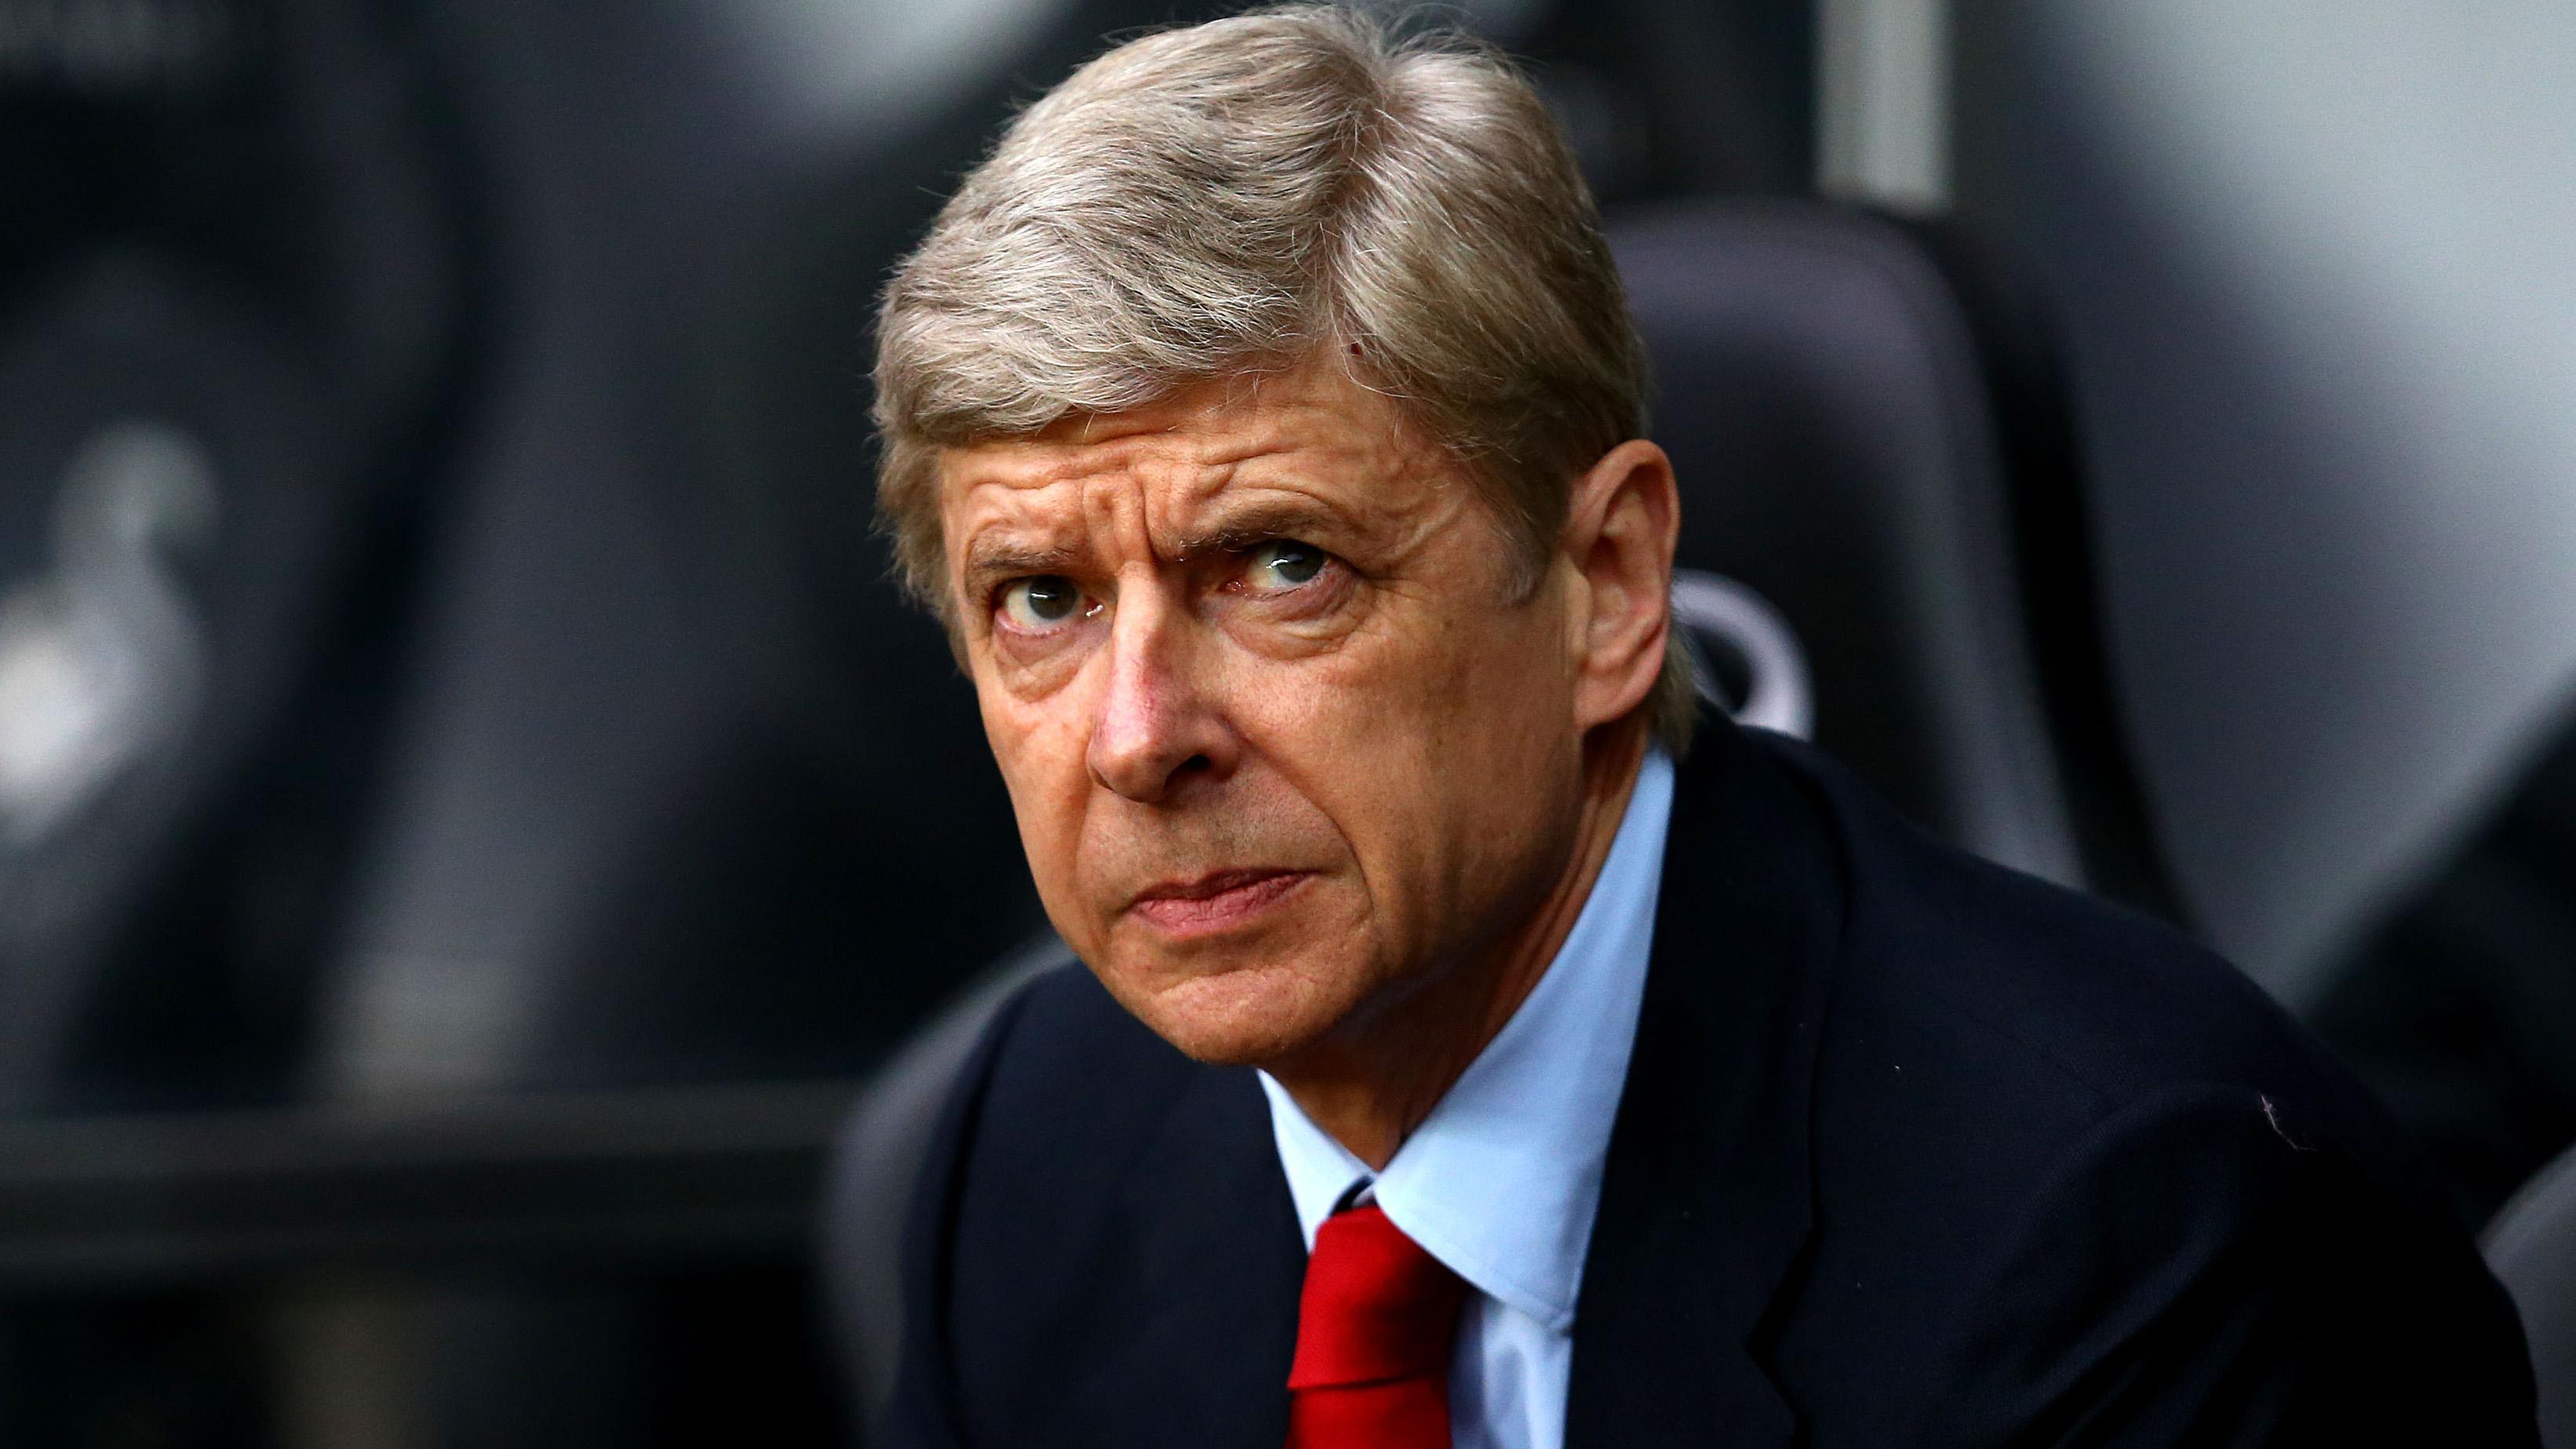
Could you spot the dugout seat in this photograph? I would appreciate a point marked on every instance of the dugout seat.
(234, 324)
(2531, 1245)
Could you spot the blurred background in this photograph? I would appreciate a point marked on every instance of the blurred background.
(473, 813)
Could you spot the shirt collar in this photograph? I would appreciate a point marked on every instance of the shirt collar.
(1502, 1180)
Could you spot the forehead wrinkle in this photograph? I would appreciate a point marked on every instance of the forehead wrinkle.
(1170, 501)
(1162, 476)
(1005, 482)
(1376, 487)
(1001, 499)
(1049, 518)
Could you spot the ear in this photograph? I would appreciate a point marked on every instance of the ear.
(1620, 528)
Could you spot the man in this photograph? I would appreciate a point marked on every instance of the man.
(1478, 1046)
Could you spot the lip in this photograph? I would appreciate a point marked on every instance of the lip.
(1214, 903)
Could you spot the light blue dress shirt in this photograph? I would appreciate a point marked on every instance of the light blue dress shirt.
(1502, 1180)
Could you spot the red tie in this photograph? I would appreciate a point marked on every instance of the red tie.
(1373, 1333)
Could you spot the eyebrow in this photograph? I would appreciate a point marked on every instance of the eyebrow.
(1257, 522)
(1244, 526)
(999, 560)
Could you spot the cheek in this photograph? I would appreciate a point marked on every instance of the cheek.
(1437, 750)
(1430, 690)
(1041, 757)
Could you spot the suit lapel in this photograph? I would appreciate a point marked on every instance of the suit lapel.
(1198, 1357)
(1706, 1202)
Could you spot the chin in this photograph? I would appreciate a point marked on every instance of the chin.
(1240, 1016)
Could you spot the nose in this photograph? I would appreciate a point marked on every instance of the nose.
(1157, 730)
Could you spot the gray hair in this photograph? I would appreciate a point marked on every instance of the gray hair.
(1252, 193)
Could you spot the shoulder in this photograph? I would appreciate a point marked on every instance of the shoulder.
(1064, 1026)
(1101, 1223)
(2054, 1141)
(1065, 1090)
(2043, 994)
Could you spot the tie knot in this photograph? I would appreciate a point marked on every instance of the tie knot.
(1376, 1307)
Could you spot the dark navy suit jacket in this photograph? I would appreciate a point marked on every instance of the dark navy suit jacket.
(1913, 1151)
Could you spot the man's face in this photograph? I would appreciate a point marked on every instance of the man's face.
(1281, 733)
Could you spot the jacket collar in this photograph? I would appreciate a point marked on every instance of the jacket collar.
(1706, 1202)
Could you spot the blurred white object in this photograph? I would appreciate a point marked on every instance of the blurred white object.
(1778, 695)
(1503, 22)
(1883, 102)
(101, 658)
(876, 64)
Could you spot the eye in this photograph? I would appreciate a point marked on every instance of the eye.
(1040, 603)
(1282, 563)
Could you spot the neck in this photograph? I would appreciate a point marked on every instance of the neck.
(1371, 1082)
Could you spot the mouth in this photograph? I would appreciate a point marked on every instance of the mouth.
(1213, 903)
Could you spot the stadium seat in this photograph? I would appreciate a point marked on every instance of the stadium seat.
(237, 326)
(2531, 1245)
(217, 446)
